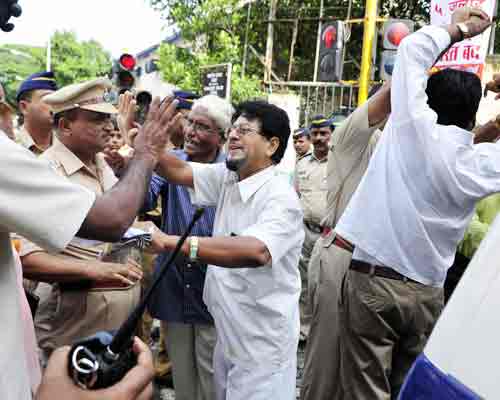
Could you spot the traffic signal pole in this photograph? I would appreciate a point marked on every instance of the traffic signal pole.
(318, 41)
(366, 57)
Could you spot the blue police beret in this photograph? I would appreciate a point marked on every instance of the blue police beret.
(186, 99)
(319, 121)
(38, 81)
(301, 132)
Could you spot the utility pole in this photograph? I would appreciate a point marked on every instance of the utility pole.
(49, 52)
(270, 38)
(245, 49)
(318, 41)
(366, 57)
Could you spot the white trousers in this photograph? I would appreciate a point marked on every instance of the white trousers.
(233, 382)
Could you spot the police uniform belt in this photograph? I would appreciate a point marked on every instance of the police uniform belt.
(313, 227)
(378, 270)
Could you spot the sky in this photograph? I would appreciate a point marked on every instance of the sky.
(119, 25)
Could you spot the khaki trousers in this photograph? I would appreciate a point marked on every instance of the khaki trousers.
(67, 316)
(304, 304)
(191, 349)
(321, 379)
(385, 324)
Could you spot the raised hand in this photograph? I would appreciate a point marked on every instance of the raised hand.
(127, 106)
(476, 20)
(153, 136)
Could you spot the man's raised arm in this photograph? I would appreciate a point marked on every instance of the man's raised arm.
(175, 170)
(114, 211)
(379, 106)
(417, 53)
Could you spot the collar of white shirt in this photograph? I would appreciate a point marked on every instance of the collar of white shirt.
(459, 135)
(253, 183)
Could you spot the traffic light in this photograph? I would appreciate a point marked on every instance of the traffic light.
(394, 31)
(330, 52)
(123, 72)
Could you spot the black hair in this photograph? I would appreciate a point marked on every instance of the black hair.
(274, 122)
(26, 96)
(454, 96)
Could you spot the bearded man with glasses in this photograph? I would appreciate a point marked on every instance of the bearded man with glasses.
(252, 284)
(186, 323)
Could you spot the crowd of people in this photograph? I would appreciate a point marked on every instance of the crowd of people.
(349, 261)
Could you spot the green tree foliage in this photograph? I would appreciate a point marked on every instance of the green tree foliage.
(75, 61)
(72, 61)
(181, 66)
(209, 28)
(16, 63)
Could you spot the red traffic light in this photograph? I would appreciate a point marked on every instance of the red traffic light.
(329, 36)
(127, 61)
(397, 32)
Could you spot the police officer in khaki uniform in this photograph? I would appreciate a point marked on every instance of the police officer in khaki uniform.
(310, 183)
(86, 294)
(36, 133)
(301, 143)
(352, 147)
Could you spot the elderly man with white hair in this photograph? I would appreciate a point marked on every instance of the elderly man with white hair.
(188, 326)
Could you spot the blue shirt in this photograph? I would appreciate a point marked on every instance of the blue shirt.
(178, 298)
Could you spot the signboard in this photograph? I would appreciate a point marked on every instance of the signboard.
(216, 79)
(470, 54)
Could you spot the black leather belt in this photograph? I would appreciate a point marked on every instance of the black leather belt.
(313, 227)
(378, 270)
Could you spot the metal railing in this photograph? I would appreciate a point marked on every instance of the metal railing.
(320, 97)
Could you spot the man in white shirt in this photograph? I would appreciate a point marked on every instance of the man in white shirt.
(49, 210)
(411, 210)
(252, 283)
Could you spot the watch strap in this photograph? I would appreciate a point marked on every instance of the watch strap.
(193, 248)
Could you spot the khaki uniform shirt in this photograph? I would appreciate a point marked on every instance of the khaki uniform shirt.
(66, 315)
(38, 204)
(350, 153)
(310, 183)
(24, 139)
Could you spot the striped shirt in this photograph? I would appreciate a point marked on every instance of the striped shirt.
(179, 295)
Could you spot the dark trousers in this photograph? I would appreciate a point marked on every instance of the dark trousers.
(454, 274)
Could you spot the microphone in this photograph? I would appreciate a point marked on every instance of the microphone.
(103, 359)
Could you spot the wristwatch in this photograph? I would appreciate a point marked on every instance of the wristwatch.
(193, 248)
(464, 30)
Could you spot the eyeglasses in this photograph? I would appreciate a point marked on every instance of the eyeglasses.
(242, 130)
(197, 126)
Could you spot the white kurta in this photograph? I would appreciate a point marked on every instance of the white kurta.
(45, 208)
(255, 309)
